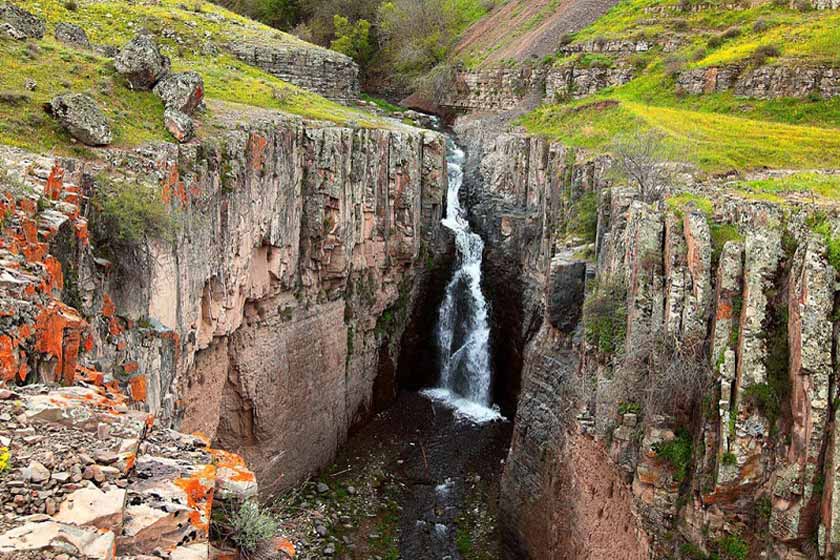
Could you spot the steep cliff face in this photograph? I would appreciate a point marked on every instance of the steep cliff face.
(613, 452)
(270, 319)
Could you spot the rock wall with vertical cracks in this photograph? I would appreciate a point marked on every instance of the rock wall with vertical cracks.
(271, 320)
(611, 458)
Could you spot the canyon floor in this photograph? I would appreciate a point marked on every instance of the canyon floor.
(417, 482)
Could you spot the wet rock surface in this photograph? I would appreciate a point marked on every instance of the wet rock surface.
(415, 483)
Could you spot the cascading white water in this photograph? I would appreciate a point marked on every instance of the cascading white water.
(463, 335)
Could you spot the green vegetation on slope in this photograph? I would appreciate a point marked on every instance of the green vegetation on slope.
(136, 117)
(718, 132)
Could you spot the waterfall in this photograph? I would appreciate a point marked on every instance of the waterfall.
(463, 335)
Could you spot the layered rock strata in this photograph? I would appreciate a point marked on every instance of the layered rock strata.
(501, 89)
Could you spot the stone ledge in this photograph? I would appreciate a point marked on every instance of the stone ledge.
(764, 82)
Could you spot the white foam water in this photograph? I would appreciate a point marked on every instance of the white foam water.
(463, 334)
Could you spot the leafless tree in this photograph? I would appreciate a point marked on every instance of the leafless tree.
(641, 158)
(663, 374)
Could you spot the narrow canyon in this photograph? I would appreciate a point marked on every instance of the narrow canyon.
(535, 312)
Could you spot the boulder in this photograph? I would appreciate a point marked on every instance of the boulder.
(141, 62)
(93, 507)
(43, 535)
(71, 34)
(79, 114)
(20, 24)
(183, 91)
(179, 124)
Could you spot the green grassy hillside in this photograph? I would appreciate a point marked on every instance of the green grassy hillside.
(192, 34)
(719, 132)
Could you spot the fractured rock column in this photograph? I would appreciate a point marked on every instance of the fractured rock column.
(810, 304)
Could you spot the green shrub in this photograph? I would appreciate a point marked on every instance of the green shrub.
(763, 53)
(250, 526)
(729, 459)
(5, 459)
(732, 547)
(595, 60)
(352, 39)
(126, 213)
(677, 453)
(605, 317)
(583, 220)
(761, 25)
(629, 408)
(690, 551)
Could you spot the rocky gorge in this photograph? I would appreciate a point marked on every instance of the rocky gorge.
(271, 283)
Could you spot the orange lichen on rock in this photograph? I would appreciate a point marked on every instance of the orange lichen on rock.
(90, 376)
(8, 358)
(137, 388)
(55, 183)
(233, 462)
(109, 311)
(55, 277)
(285, 546)
(256, 151)
(58, 329)
(174, 186)
(199, 490)
(82, 231)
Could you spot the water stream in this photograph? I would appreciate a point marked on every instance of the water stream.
(462, 334)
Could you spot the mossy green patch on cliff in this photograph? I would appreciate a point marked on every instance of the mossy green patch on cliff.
(681, 202)
(605, 317)
(677, 453)
(813, 184)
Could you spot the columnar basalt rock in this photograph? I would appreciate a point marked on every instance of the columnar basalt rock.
(285, 228)
(810, 305)
(754, 454)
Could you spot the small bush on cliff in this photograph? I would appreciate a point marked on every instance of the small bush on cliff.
(126, 213)
(639, 157)
(605, 316)
(665, 375)
(732, 547)
(677, 453)
(247, 526)
(5, 459)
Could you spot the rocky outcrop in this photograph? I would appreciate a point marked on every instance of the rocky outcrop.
(88, 477)
(284, 229)
(328, 73)
(141, 62)
(20, 24)
(501, 89)
(763, 82)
